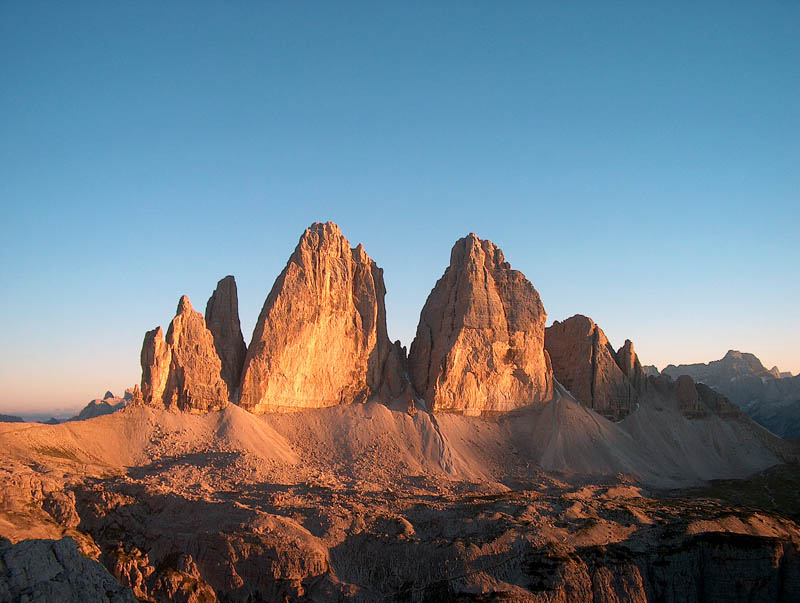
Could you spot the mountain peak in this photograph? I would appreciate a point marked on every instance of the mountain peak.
(222, 319)
(479, 344)
(471, 250)
(320, 339)
(184, 305)
(586, 364)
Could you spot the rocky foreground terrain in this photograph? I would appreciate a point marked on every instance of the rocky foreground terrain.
(499, 461)
(368, 503)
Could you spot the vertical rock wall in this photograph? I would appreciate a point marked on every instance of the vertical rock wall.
(479, 345)
(320, 339)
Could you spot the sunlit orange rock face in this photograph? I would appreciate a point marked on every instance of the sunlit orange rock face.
(156, 358)
(584, 362)
(321, 339)
(479, 345)
(183, 371)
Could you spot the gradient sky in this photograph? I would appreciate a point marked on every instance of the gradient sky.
(638, 161)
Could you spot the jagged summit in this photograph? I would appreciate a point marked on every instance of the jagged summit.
(222, 319)
(614, 384)
(321, 339)
(479, 344)
(586, 364)
(183, 370)
(184, 306)
(733, 365)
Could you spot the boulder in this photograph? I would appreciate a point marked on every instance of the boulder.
(479, 344)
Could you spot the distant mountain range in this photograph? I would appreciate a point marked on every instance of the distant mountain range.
(770, 397)
(97, 408)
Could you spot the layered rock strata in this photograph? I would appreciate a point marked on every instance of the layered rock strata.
(321, 339)
(479, 345)
(586, 364)
(183, 371)
(222, 319)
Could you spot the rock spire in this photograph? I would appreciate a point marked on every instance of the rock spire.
(222, 319)
(183, 371)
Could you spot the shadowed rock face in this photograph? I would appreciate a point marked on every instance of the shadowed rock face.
(54, 570)
(650, 370)
(585, 363)
(222, 319)
(480, 341)
(629, 363)
(688, 399)
(695, 400)
(320, 339)
(183, 371)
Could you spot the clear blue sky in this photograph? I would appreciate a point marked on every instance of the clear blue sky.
(638, 161)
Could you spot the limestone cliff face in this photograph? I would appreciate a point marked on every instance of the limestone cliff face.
(585, 363)
(183, 371)
(321, 339)
(156, 358)
(222, 319)
(479, 345)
